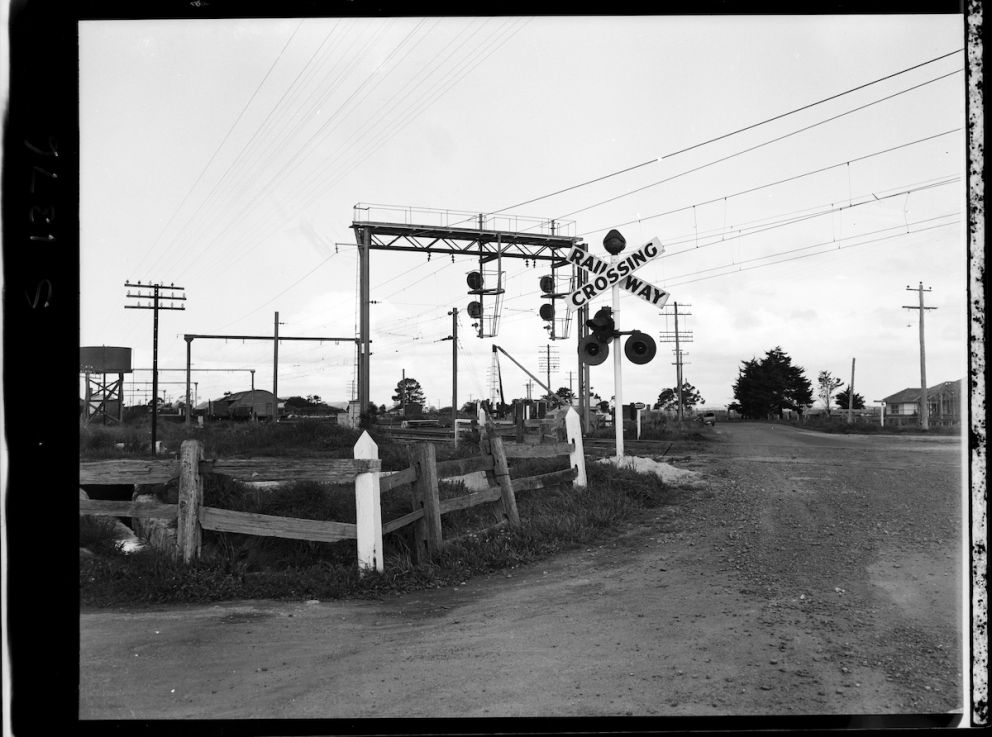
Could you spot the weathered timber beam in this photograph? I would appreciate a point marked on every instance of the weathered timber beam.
(248, 523)
(326, 470)
(106, 508)
(128, 471)
(470, 500)
(462, 466)
(545, 450)
(406, 519)
(544, 480)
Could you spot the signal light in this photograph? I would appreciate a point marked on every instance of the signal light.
(547, 285)
(592, 351)
(614, 243)
(640, 347)
(547, 312)
(602, 325)
(475, 310)
(474, 280)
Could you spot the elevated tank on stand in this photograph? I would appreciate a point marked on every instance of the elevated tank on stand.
(104, 398)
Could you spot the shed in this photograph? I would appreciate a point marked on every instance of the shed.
(240, 405)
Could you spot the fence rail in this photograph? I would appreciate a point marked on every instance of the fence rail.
(421, 477)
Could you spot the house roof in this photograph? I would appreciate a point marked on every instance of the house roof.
(913, 395)
(246, 396)
(945, 386)
(906, 395)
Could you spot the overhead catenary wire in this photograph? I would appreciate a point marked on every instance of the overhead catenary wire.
(220, 145)
(238, 164)
(820, 170)
(735, 132)
(262, 232)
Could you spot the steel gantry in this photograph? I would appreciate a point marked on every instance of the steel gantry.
(486, 237)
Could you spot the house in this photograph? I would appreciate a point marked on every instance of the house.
(906, 402)
(240, 405)
(943, 402)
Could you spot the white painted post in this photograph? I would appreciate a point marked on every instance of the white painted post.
(638, 424)
(368, 510)
(577, 458)
(617, 378)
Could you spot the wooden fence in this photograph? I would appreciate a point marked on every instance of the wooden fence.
(421, 476)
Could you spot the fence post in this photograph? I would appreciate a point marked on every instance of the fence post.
(577, 458)
(492, 444)
(188, 533)
(502, 473)
(427, 533)
(368, 510)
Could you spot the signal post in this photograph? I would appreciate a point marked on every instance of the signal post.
(594, 349)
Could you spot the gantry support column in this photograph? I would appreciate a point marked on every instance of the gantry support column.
(364, 239)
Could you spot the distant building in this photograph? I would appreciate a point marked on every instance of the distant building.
(943, 402)
(240, 405)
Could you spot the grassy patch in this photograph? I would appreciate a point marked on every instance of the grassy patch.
(864, 429)
(238, 566)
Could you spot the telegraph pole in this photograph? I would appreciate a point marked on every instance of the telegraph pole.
(924, 400)
(678, 337)
(548, 361)
(155, 305)
(678, 361)
(275, 372)
(454, 371)
(850, 397)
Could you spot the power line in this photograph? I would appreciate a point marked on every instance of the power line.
(753, 189)
(224, 139)
(787, 135)
(814, 104)
(820, 253)
(735, 132)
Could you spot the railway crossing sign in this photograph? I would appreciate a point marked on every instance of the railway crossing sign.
(604, 275)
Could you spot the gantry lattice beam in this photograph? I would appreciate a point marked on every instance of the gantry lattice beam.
(466, 241)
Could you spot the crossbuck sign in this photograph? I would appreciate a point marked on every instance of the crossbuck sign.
(604, 275)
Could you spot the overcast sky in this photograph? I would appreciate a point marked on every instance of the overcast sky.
(227, 156)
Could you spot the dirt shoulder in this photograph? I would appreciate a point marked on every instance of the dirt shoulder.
(695, 609)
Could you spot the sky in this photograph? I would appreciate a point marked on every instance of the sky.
(796, 195)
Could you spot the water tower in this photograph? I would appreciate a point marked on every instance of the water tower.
(104, 399)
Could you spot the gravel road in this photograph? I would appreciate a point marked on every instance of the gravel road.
(809, 574)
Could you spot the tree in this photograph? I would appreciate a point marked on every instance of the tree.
(827, 385)
(772, 384)
(408, 391)
(842, 399)
(669, 398)
(565, 394)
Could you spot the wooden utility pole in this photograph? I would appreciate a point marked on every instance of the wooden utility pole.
(155, 306)
(678, 337)
(275, 371)
(924, 400)
(850, 397)
(454, 371)
(678, 363)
